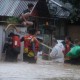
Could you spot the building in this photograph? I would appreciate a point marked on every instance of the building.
(8, 9)
(65, 26)
(13, 8)
(45, 19)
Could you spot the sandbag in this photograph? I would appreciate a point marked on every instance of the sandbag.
(74, 52)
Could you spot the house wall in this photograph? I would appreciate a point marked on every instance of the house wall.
(68, 30)
(2, 39)
(74, 32)
(60, 32)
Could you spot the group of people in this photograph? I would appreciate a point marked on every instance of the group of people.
(61, 52)
(67, 51)
(64, 52)
(31, 44)
(12, 46)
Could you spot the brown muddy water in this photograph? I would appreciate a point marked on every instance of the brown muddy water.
(42, 70)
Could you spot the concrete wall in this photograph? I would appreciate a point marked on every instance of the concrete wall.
(74, 32)
(2, 39)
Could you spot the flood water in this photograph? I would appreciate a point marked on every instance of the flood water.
(42, 70)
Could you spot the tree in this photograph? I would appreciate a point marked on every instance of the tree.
(75, 14)
(75, 3)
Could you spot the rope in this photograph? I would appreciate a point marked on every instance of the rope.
(43, 44)
(46, 45)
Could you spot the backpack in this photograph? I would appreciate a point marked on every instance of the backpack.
(30, 45)
(16, 43)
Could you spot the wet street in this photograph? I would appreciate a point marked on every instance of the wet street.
(43, 70)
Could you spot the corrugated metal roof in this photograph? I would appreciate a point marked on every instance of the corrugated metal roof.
(14, 7)
(57, 10)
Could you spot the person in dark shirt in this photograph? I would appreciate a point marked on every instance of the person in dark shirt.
(26, 14)
(11, 47)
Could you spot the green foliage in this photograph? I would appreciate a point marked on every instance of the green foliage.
(75, 3)
(13, 20)
(76, 9)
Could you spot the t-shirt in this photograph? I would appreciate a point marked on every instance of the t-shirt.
(25, 11)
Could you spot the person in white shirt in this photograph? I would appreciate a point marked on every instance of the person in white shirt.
(57, 52)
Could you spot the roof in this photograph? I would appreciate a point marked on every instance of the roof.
(58, 9)
(14, 7)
